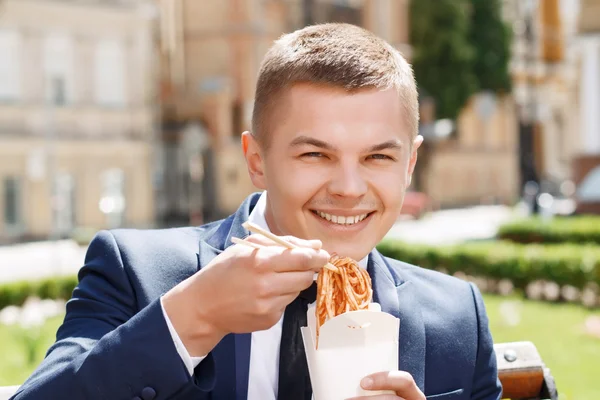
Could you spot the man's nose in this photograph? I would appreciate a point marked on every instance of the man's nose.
(348, 181)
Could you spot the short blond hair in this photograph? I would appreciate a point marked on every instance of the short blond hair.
(338, 55)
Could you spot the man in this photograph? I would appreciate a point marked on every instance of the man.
(184, 314)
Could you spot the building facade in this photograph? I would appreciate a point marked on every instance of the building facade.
(544, 69)
(77, 119)
(586, 163)
(556, 73)
(478, 163)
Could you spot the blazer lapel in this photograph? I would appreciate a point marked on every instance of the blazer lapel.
(396, 297)
(232, 355)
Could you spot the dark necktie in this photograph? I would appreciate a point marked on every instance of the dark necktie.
(294, 380)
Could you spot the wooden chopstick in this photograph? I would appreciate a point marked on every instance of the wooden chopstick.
(257, 229)
(246, 243)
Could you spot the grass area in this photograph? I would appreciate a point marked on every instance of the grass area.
(556, 329)
(14, 368)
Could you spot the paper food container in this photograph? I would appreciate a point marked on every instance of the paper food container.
(351, 346)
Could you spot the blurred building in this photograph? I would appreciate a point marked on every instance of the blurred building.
(476, 160)
(76, 116)
(586, 165)
(544, 70)
(473, 160)
(556, 72)
(211, 52)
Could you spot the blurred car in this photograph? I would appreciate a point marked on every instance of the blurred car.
(556, 196)
(415, 205)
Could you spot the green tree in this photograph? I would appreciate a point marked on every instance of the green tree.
(443, 57)
(491, 38)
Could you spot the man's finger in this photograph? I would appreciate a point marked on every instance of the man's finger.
(380, 397)
(280, 259)
(301, 259)
(400, 382)
(289, 283)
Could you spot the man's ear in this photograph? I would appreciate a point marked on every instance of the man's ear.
(254, 160)
(413, 159)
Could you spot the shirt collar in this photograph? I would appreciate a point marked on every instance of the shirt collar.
(257, 217)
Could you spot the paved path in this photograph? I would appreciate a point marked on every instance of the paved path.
(453, 226)
(39, 260)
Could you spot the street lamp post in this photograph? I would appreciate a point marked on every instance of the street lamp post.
(527, 165)
(53, 99)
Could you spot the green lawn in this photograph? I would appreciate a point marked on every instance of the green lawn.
(558, 333)
(556, 330)
(14, 368)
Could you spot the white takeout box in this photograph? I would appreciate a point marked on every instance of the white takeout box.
(351, 346)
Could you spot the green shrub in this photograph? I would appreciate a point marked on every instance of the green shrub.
(52, 288)
(565, 264)
(583, 229)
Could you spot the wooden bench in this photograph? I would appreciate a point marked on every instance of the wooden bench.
(522, 372)
(520, 367)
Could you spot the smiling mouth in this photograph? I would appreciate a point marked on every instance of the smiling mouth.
(342, 220)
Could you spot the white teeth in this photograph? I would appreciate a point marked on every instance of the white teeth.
(341, 219)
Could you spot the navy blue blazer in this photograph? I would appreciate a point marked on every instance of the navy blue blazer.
(115, 344)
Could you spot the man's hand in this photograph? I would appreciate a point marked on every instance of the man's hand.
(242, 290)
(399, 381)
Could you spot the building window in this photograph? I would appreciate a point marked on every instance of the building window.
(113, 200)
(64, 204)
(58, 92)
(10, 85)
(12, 202)
(58, 69)
(110, 73)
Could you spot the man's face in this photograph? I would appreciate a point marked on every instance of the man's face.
(336, 168)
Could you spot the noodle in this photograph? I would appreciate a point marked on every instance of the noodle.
(348, 289)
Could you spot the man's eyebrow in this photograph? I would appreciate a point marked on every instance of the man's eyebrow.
(393, 144)
(307, 140)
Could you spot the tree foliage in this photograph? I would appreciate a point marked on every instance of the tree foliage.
(491, 38)
(459, 47)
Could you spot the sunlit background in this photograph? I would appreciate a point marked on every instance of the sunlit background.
(128, 113)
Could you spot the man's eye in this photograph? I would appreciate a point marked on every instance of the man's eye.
(312, 154)
(380, 157)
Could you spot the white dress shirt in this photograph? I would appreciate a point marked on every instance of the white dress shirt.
(264, 351)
